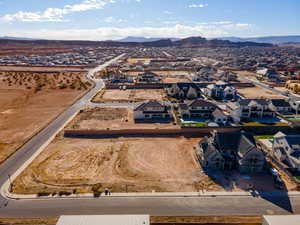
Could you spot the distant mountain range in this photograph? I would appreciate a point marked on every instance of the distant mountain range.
(17, 38)
(185, 42)
(144, 39)
(269, 39)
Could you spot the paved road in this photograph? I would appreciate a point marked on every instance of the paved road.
(227, 205)
(153, 206)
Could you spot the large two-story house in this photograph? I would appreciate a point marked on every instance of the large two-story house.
(221, 91)
(198, 108)
(183, 91)
(152, 110)
(148, 77)
(286, 148)
(230, 151)
(251, 108)
(280, 106)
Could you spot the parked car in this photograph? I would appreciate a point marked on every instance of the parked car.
(274, 172)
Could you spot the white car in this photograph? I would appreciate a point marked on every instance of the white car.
(274, 172)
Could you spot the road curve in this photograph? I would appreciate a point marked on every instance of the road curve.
(188, 206)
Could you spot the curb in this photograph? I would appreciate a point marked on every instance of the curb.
(5, 188)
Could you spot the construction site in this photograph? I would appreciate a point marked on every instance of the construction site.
(129, 95)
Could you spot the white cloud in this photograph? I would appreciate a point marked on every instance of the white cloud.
(110, 33)
(111, 19)
(55, 14)
(198, 5)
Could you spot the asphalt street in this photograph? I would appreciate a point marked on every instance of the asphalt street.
(192, 206)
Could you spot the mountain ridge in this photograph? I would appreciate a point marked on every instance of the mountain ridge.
(266, 39)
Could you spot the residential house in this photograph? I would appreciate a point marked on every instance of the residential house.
(220, 117)
(286, 148)
(152, 110)
(148, 77)
(280, 106)
(293, 85)
(229, 151)
(267, 74)
(119, 78)
(295, 105)
(226, 76)
(198, 108)
(251, 108)
(221, 91)
(183, 91)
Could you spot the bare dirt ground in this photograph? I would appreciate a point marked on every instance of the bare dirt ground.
(38, 81)
(207, 220)
(175, 80)
(160, 72)
(112, 118)
(29, 102)
(247, 73)
(135, 95)
(257, 92)
(180, 220)
(43, 68)
(141, 164)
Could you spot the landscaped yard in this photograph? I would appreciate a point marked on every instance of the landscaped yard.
(271, 121)
(265, 136)
(295, 118)
(197, 124)
(193, 123)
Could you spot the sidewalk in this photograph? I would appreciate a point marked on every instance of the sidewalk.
(158, 195)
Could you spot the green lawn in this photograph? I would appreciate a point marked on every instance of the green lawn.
(265, 136)
(198, 124)
(264, 124)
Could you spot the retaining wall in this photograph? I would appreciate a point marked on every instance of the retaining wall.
(189, 132)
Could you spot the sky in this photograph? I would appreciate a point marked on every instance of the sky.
(115, 19)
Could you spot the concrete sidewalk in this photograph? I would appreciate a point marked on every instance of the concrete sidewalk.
(200, 194)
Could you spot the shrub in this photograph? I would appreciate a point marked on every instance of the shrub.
(66, 193)
(41, 194)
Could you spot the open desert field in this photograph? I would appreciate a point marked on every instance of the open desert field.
(43, 68)
(30, 101)
(113, 119)
(257, 92)
(141, 164)
(134, 95)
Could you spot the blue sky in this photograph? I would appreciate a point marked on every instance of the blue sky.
(114, 19)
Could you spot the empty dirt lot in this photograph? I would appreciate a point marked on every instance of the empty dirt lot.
(143, 164)
(134, 95)
(112, 118)
(29, 101)
(257, 92)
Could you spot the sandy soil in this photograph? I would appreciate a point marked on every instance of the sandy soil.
(135, 95)
(257, 92)
(23, 113)
(38, 81)
(175, 80)
(112, 118)
(159, 164)
(246, 73)
(161, 72)
(31, 100)
(42, 68)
